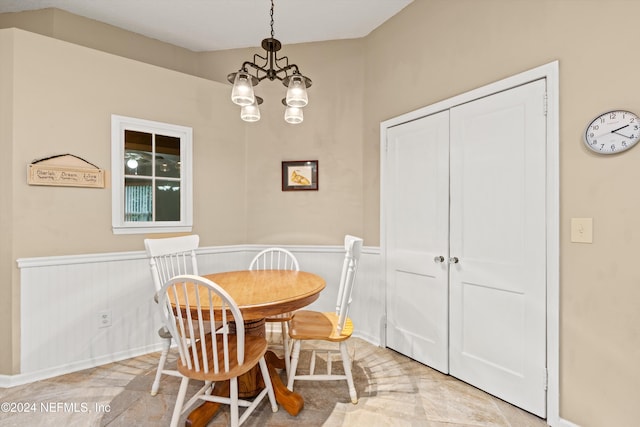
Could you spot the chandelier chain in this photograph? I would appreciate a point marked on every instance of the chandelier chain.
(272, 32)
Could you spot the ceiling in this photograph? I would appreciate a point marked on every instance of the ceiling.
(207, 25)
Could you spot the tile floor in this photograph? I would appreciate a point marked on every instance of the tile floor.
(392, 389)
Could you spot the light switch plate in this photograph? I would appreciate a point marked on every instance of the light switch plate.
(582, 230)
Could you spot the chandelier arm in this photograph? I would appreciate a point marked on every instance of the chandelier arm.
(257, 68)
(278, 60)
(263, 58)
(286, 67)
(285, 71)
(271, 73)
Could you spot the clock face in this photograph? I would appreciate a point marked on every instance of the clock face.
(612, 132)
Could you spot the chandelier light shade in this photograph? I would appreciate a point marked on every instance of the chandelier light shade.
(293, 115)
(242, 92)
(297, 92)
(271, 67)
(251, 113)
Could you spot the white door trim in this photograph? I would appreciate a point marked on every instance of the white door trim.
(551, 73)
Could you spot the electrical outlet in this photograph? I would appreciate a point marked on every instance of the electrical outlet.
(104, 318)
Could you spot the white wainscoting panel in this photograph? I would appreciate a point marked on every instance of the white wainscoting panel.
(222, 258)
(61, 304)
(62, 299)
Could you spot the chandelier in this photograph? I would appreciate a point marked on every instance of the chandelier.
(269, 67)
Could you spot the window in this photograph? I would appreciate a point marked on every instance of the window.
(150, 176)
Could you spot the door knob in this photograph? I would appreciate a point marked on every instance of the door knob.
(439, 258)
(453, 260)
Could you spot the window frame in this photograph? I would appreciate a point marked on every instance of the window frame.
(118, 126)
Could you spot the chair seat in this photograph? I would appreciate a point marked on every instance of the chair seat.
(254, 348)
(315, 325)
(164, 332)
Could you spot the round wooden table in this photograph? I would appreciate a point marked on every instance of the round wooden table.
(260, 294)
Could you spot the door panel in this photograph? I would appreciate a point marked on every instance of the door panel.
(417, 215)
(498, 288)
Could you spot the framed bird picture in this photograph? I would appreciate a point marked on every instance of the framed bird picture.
(300, 175)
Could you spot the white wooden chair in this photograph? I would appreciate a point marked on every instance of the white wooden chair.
(333, 327)
(169, 257)
(278, 259)
(223, 355)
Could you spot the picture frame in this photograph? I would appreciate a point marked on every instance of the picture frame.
(300, 175)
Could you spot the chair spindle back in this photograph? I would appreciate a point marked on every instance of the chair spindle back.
(203, 306)
(274, 259)
(171, 257)
(353, 250)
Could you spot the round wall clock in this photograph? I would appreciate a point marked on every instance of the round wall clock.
(612, 132)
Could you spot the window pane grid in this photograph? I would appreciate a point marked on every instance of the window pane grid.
(152, 183)
(143, 204)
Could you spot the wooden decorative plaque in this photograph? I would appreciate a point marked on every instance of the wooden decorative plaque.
(65, 171)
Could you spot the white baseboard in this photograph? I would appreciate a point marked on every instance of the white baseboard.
(7, 381)
(565, 423)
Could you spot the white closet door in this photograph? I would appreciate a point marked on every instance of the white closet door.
(416, 217)
(498, 287)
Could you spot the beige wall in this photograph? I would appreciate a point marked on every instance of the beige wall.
(432, 50)
(60, 98)
(435, 49)
(8, 301)
(65, 26)
(65, 106)
(331, 134)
